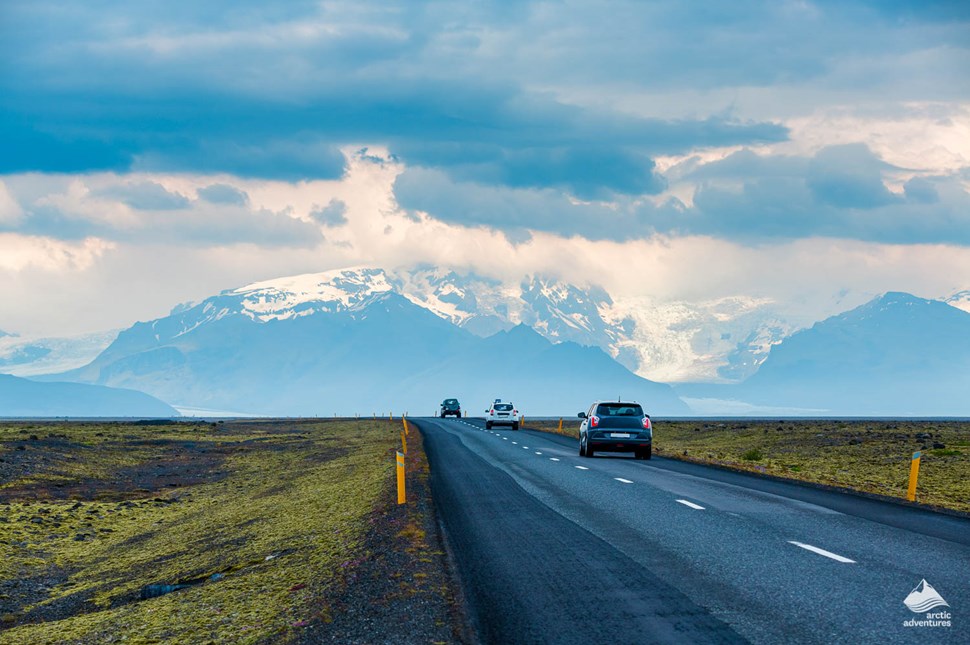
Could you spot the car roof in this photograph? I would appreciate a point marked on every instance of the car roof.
(617, 402)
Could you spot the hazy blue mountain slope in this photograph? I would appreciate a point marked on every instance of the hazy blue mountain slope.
(301, 365)
(377, 353)
(541, 377)
(897, 354)
(24, 398)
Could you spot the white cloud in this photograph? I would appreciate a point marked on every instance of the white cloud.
(21, 252)
(10, 210)
(60, 287)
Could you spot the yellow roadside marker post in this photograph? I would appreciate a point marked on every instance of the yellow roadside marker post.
(913, 475)
(404, 443)
(400, 478)
(560, 425)
(522, 421)
(406, 429)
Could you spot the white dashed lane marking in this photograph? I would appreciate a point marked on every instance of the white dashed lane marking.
(582, 467)
(538, 453)
(625, 481)
(553, 459)
(827, 554)
(691, 504)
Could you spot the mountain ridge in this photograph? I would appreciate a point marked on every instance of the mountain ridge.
(241, 350)
(896, 354)
(20, 397)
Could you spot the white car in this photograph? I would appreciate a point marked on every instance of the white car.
(502, 413)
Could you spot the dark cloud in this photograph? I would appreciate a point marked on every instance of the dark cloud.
(749, 198)
(223, 194)
(160, 216)
(921, 191)
(848, 176)
(243, 89)
(333, 214)
(147, 196)
(515, 211)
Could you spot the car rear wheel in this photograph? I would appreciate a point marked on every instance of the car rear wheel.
(488, 425)
(589, 450)
(582, 449)
(643, 454)
(515, 426)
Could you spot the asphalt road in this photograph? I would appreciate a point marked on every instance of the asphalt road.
(552, 547)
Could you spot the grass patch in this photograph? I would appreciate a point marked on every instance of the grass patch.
(866, 455)
(261, 518)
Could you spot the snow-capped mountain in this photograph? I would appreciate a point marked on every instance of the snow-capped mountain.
(724, 339)
(960, 300)
(23, 356)
(897, 354)
(308, 350)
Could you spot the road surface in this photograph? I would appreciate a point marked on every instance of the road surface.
(553, 547)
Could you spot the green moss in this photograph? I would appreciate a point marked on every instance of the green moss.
(290, 509)
(866, 455)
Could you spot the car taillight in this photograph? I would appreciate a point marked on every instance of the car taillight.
(515, 411)
(492, 411)
(646, 423)
(594, 421)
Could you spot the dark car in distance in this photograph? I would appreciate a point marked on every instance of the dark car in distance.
(450, 406)
(616, 426)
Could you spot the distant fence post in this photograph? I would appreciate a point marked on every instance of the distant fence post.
(401, 497)
(913, 475)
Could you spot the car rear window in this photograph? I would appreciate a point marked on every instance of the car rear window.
(450, 401)
(619, 410)
(503, 407)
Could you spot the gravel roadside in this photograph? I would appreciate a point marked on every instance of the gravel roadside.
(403, 590)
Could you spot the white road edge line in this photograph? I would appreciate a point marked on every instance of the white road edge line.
(625, 481)
(697, 507)
(582, 467)
(827, 554)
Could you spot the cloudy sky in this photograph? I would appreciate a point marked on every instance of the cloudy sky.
(158, 152)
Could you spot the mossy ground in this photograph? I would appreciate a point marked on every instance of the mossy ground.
(866, 455)
(276, 512)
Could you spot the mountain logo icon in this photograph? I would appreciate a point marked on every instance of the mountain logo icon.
(924, 598)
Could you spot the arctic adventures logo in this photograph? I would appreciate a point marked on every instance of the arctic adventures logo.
(923, 600)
